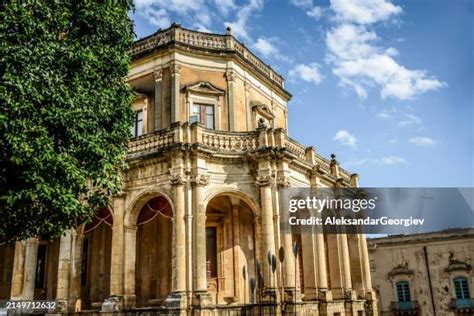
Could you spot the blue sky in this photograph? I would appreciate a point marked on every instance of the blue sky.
(385, 85)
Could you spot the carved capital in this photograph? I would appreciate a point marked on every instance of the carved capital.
(158, 73)
(200, 179)
(175, 69)
(283, 182)
(177, 179)
(230, 75)
(262, 181)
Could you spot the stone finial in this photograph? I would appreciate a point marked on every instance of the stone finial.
(334, 166)
(354, 180)
(261, 124)
(228, 30)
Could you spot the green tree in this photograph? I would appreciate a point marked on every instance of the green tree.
(65, 112)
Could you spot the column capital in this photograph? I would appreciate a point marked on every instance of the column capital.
(264, 180)
(158, 73)
(175, 68)
(283, 181)
(230, 75)
(200, 179)
(177, 179)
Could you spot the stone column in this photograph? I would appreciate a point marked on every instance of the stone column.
(238, 286)
(28, 270)
(117, 251)
(268, 234)
(18, 270)
(130, 244)
(158, 109)
(64, 269)
(177, 299)
(346, 265)
(200, 275)
(74, 295)
(366, 278)
(176, 115)
(231, 76)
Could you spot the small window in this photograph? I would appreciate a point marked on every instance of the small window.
(137, 128)
(203, 114)
(403, 291)
(461, 288)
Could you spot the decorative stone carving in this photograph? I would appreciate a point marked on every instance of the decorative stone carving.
(177, 179)
(158, 73)
(283, 181)
(230, 75)
(457, 265)
(262, 181)
(401, 269)
(175, 69)
(200, 179)
(203, 87)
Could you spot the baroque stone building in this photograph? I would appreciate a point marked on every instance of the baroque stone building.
(424, 274)
(199, 210)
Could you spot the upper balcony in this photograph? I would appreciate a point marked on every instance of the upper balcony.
(228, 144)
(222, 43)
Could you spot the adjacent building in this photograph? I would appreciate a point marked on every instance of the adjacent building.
(424, 274)
(199, 211)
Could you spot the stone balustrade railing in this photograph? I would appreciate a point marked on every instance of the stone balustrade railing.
(225, 142)
(196, 39)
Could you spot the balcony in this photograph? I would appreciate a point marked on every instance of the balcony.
(405, 308)
(226, 144)
(463, 305)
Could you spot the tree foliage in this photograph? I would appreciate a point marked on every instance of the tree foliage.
(65, 112)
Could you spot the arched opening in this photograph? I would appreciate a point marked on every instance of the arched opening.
(6, 269)
(46, 276)
(154, 252)
(230, 246)
(96, 260)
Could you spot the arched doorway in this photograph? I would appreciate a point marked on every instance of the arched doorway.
(230, 246)
(6, 269)
(96, 260)
(154, 252)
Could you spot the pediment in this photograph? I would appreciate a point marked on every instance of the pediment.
(203, 87)
(263, 110)
(457, 265)
(400, 270)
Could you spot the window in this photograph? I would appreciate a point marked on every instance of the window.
(211, 251)
(403, 291)
(204, 114)
(461, 288)
(137, 128)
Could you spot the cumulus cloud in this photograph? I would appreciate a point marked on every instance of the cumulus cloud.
(265, 47)
(359, 61)
(315, 12)
(422, 141)
(345, 138)
(159, 12)
(410, 119)
(309, 73)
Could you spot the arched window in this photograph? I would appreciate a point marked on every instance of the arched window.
(403, 291)
(461, 288)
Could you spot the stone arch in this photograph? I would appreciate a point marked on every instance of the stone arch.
(135, 206)
(250, 201)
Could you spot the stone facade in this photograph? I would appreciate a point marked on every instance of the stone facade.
(429, 265)
(199, 210)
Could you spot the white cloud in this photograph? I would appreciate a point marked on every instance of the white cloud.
(383, 115)
(345, 138)
(360, 63)
(364, 11)
(410, 119)
(265, 47)
(159, 12)
(239, 26)
(315, 12)
(422, 141)
(304, 4)
(225, 6)
(308, 73)
(391, 160)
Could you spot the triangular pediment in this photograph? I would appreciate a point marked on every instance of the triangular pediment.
(204, 87)
(263, 110)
